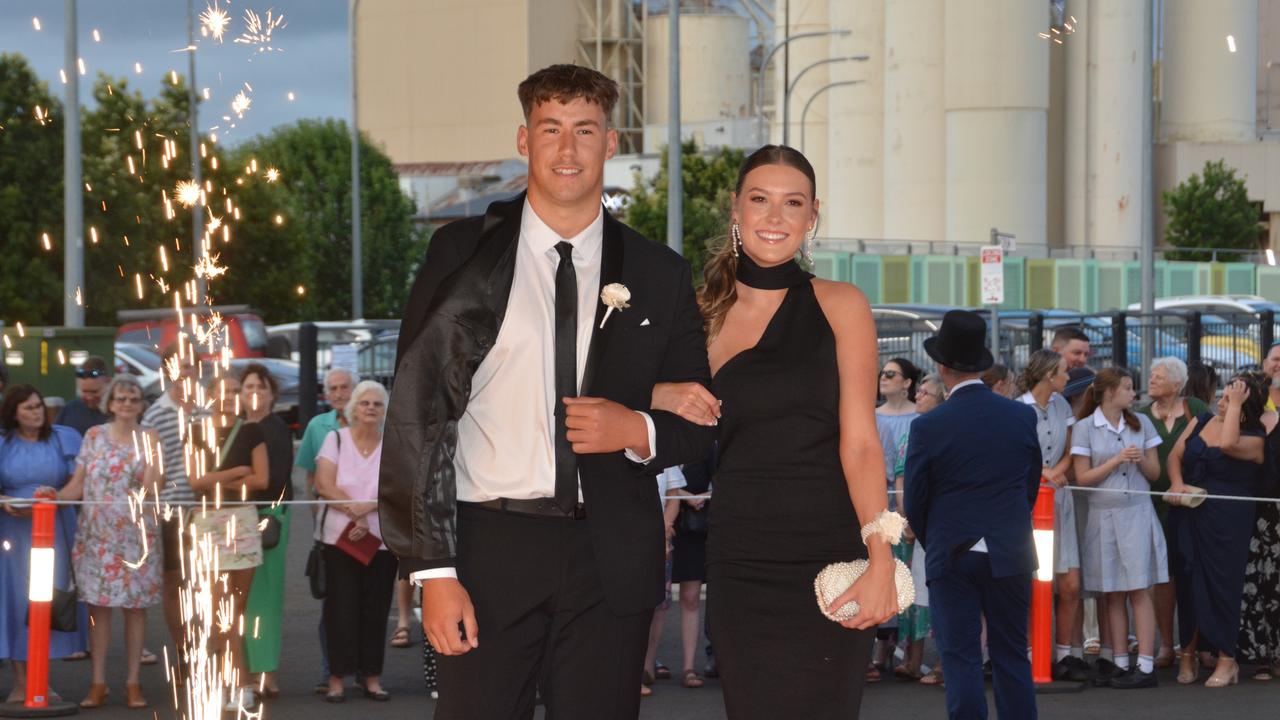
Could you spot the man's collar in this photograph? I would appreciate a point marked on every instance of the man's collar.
(542, 239)
(967, 383)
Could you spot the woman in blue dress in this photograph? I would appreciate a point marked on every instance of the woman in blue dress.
(34, 455)
(1222, 454)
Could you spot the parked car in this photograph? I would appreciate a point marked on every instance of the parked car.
(283, 339)
(142, 361)
(245, 333)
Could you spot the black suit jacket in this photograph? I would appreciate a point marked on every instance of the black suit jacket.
(454, 313)
(973, 472)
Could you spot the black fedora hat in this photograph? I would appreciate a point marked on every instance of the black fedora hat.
(961, 342)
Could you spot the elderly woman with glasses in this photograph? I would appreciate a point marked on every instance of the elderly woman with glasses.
(360, 571)
(116, 557)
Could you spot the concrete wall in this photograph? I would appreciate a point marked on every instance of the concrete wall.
(914, 121)
(851, 151)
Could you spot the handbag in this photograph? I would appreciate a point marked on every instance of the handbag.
(695, 522)
(270, 529)
(1190, 497)
(835, 578)
(315, 563)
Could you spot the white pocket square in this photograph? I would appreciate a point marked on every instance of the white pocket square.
(645, 323)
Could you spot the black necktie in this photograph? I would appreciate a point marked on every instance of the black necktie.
(566, 375)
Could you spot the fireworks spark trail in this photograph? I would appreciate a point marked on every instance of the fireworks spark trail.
(187, 192)
(44, 239)
(259, 33)
(241, 103)
(97, 36)
(35, 23)
(272, 174)
(214, 22)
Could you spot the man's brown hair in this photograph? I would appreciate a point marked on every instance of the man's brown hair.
(565, 83)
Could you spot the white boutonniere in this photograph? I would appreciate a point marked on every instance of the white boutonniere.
(615, 296)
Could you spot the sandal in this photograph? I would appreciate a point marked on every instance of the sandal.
(691, 679)
(873, 673)
(933, 678)
(76, 656)
(1263, 673)
(401, 638)
(645, 691)
(661, 672)
(148, 657)
(905, 674)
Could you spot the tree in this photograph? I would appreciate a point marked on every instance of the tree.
(30, 197)
(708, 180)
(1211, 211)
(310, 244)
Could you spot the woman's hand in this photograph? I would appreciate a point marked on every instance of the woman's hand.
(1236, 393)
(689, 400)
(1131, 454)
(875, 593)
(1054, 476)
(358, 510)
(695, 502)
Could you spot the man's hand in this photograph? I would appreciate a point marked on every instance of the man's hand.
(599, 426)
(445, 605)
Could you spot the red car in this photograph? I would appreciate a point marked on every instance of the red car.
(159, 328)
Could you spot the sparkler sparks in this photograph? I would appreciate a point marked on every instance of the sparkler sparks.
(214, 22)
(35, 23)
(209, 268)
(272, 174)
(187, 192)
(258, 32)
(241, 103)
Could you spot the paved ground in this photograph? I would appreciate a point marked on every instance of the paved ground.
(888, 699)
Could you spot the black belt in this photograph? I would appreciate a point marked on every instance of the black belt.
(541, 507)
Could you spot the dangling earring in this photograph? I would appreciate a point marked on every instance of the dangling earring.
(807, 248)
(735, 235)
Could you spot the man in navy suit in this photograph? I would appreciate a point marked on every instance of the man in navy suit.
(972, 475)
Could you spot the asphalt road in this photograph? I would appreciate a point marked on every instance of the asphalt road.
(403, 678)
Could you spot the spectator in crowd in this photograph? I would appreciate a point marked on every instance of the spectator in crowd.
(1271, 368)
(1092, 624)
(1259, 642)
(359, 594)
(233, 530)
(258, 393)
(1123, 553)
(170, 418)
(899, 381)
(1042, 383)
(1202, 383)
(1222, 454)
(36, 458)
(338, 384)
(1000, 380)
(1170, 412)
(670, 482)
(915, 624)
(84, 411)
(689, 560)
(1071, 343)
(114, 567)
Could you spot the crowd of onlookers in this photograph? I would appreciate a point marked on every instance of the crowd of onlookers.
(1141, 581)
(1148, 573)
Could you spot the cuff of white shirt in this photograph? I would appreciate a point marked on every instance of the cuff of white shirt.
(433, 574)
(653, 442)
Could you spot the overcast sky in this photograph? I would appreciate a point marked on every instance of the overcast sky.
(311, 57)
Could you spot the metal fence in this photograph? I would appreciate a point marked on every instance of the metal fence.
(1226, 343)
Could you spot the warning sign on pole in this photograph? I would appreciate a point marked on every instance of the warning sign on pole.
(992, 275)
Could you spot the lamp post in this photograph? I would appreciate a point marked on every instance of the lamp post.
(790, 88)
(675, 163)
(357, 273)
(805, 113)
(193, 111)
(72, 185)
(764, 65)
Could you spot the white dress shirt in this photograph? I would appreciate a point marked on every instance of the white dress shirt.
(506, 437)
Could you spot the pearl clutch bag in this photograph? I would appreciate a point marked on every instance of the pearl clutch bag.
(838, 577)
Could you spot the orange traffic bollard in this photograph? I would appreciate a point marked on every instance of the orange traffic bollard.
(1042, 588)
(40, 599)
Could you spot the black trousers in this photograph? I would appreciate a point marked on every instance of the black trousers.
(355, 611)
(542, 624)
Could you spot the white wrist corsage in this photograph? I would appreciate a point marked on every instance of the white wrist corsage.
(888, 525)
(616, 296)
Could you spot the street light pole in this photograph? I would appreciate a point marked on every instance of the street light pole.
(72, 185)
(786, 95)
(804, 113)
(197, 219)
(764, 65)
(357, 273)
(675, 178)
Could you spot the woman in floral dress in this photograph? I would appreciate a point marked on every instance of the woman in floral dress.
(117, 551)
(1259, 643)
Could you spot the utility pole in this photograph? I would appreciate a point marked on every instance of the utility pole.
(675, 179)
(72, 185)
(357, 272)
(193, 117)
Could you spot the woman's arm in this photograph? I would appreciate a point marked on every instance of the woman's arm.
(1087, 475)
(1059, 471)
(1150, 465)
(74, 489)
(213, 478)
(327, 485)
(857, 358)
(1173, 465)
(1232, 443)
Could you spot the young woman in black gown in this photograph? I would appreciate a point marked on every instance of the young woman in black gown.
(800, 468)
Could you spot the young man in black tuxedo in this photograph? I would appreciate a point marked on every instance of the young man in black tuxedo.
(517, 481)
